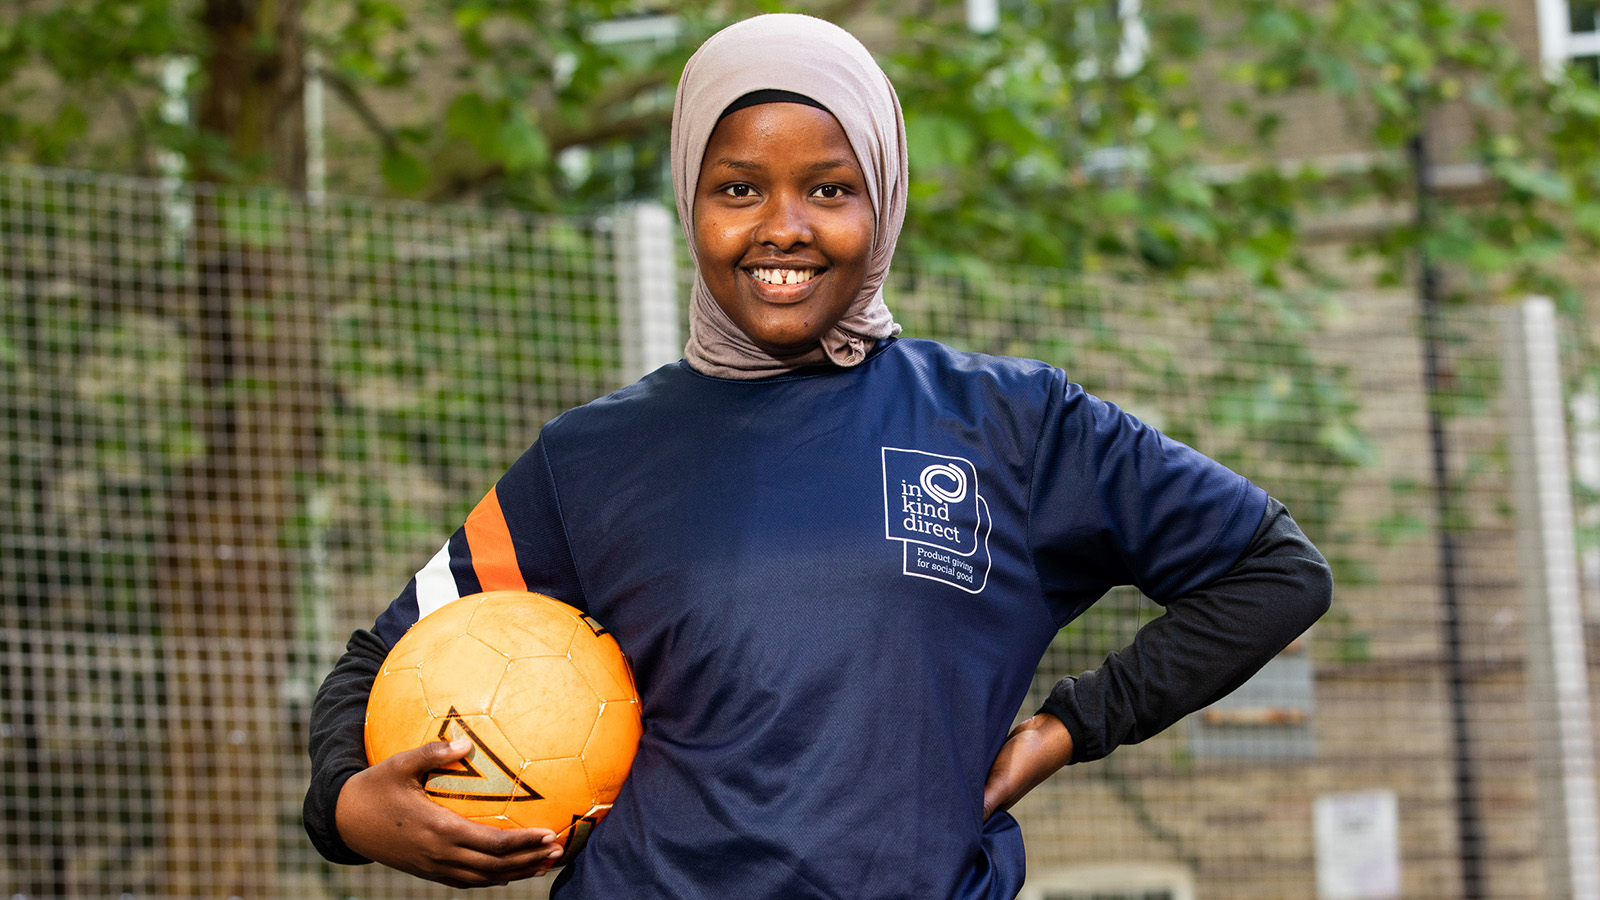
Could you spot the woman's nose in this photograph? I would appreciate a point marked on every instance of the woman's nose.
(784, 222)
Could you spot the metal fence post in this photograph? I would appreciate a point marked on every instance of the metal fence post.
(1557, 669)
(644, 236)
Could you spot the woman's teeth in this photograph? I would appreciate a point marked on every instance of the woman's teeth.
(783, 276)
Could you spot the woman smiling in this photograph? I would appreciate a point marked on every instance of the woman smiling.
(834, 555)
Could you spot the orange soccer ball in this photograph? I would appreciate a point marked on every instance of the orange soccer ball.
(545, 695)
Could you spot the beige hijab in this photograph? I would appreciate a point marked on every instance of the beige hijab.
(822, 61)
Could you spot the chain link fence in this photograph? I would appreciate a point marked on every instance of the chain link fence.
(234, 424)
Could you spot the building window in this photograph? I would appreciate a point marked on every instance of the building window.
(1121, 20)
(1569, 35)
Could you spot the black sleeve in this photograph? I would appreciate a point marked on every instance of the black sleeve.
(338, 740)
(527, 498)
(1207, 643)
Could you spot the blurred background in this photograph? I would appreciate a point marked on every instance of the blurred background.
(285, 285)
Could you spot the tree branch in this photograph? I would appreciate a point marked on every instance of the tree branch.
(636, 125)
(352, 98)
(629, 87)
(462, 182)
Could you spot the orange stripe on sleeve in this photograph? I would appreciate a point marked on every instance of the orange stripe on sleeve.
(494, 558)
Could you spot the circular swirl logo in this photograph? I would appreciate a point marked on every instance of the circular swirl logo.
(944, 483)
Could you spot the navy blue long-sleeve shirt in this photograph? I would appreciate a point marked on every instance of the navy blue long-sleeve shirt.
(834, 587)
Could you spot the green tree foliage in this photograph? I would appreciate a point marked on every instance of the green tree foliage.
(1072, 138)
(64, 66)
(1067, 137)
(1405, 72)
(499, 90)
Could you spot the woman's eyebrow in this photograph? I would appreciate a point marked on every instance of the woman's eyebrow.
(827, 165)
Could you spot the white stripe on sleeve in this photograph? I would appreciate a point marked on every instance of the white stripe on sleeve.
(435, 585)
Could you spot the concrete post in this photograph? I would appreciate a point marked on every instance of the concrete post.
(1557, 668)
(644, 238)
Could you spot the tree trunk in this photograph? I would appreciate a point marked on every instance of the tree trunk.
(252, 93)
(227, 584)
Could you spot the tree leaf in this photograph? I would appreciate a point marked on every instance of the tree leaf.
(1534, 179)
(404, 173)
(521, 145)
(474, 120)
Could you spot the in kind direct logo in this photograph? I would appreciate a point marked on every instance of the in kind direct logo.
(932, 506)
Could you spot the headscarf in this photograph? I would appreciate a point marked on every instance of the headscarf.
(808, 56)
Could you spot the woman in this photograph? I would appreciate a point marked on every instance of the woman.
(834, 556)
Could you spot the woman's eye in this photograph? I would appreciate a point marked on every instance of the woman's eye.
(830, 192)
(739, 190)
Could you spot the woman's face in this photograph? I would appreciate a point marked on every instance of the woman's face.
(783, 226)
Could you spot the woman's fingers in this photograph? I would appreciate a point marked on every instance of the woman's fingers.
(384, 815)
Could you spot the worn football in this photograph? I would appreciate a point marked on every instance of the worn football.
(543, 692)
